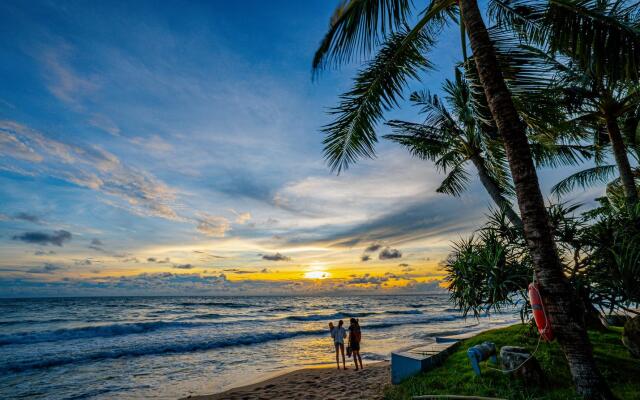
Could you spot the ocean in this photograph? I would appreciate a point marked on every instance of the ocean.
(172, 347)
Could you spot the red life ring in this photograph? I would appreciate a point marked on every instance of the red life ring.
(539, 314)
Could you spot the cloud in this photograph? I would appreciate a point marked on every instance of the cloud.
(242, 218)
(212, 225)
(47, 268)
(365, 258)
(105, 124)
(62, 81)
(367, 279)
(205, 255)
(406, 267)
(43, 253)
(10, 144)
(85, 261)
(356, 197)
(183, 266)
(153, 144)
(96, 242)
(166, 260)
(90, 167)
(373, 247)
(166, 283)
(265, 271)
(23, 216)
(422, 220)
(57, 238)
(275, 257)
(389, 253)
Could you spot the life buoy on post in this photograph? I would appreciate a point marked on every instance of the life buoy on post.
(539, 314)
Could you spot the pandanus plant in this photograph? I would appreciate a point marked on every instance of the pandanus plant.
(402, 39)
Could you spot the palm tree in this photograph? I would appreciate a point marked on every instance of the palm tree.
(603, 109)
(359, 25)
(466, 133)
(601, 39)
(453, 140)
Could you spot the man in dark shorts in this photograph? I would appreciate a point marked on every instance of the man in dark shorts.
(355, 336)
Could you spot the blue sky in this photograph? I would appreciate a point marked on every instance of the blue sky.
(174, 148)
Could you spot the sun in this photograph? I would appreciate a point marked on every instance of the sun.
(316, 275)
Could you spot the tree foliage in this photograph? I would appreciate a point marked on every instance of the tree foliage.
(600, 251)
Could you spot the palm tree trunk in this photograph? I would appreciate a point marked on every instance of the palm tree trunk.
(561, 303)
(620, 154)
(494, 191)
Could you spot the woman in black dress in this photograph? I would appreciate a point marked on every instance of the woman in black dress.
(355, 336)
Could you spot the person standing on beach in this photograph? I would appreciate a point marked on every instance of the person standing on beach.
(354, 341)
(339, 334)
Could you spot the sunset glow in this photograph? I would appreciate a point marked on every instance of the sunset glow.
(197, 168)
(316, 275)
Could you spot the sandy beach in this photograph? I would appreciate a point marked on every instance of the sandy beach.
(327, 383)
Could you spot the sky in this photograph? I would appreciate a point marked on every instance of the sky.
(174, 148)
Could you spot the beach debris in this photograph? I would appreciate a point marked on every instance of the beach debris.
(522, 364)
(631, 336)
(481, 352)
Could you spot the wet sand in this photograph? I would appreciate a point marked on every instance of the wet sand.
(327, 383)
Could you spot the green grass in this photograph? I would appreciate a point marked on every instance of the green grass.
(456, 377)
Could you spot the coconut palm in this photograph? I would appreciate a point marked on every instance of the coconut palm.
(452, 139)
(601, 40)
(358, 26)
(464, 133)
(611, 114)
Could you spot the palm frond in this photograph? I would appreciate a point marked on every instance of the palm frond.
(600, 35)
(455, 182)
(357, 26)
(557, 154)
(525, 68)
(435, 112)
(377, 88)
(422, 141)
(584, 179)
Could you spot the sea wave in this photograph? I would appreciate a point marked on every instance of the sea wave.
(204, 316)
(121, 329)
(156, 348)
(323, 317)
(153, 348)
(33, 321)
(86, 332)
(217, 304)
(403, 312)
